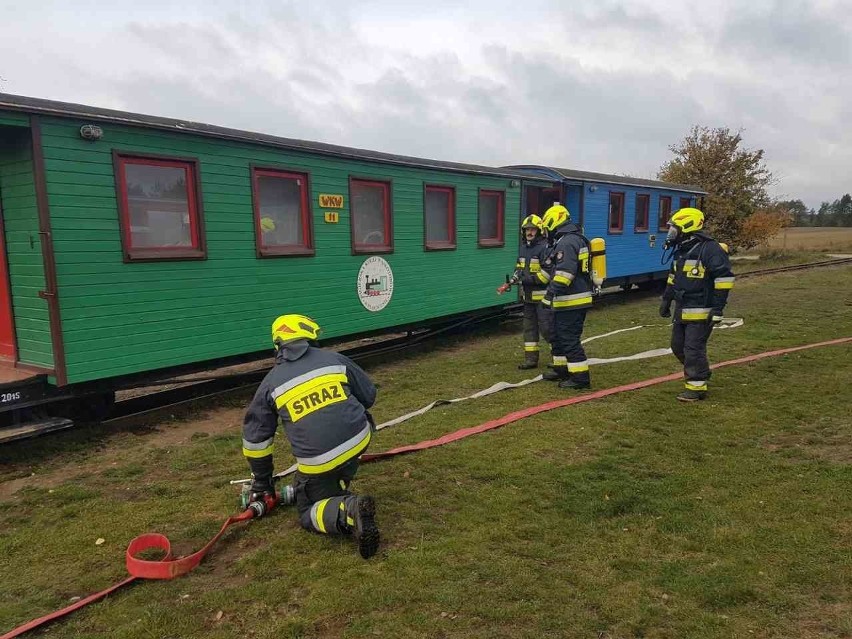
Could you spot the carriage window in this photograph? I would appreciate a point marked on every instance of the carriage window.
(665, 212)
(282, 215)
(439, 217)
(616, 212)
(643, 202)
(491, 211)
(159, 208)
(685, 202)
(370, 226)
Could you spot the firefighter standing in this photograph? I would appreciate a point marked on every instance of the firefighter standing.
(533, 281)
(322, 399)
(699, 282)
(569, 296)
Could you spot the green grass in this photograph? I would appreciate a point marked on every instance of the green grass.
(631, 516)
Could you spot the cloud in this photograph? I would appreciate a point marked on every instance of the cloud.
(598, 86)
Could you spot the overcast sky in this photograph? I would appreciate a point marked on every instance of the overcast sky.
(592, 84)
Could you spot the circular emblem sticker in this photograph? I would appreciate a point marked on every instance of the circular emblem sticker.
(375, 283)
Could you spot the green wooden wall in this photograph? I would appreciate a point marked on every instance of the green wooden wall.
(23, 247)
(9, 118)
(120, 318)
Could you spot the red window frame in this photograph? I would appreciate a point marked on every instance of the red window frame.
(619, 225)
(644, 198)
(663, 216)
(685, 202)
(450, 242)
(283, 250)
(501, 214)
(360, 248)
(197, 250)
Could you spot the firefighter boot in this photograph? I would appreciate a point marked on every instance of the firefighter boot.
(363, 513)
(530, 361)
(556, 373)
(691, 395)
(577, 381)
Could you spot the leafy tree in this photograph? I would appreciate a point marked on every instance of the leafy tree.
(735, 178)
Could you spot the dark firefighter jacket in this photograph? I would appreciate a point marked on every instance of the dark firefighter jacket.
(699, 280)
(322, 398)
(567, 266)
(528, 269)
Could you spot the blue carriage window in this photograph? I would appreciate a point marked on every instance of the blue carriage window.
(643, 205)
(616, 212)
(665, 213)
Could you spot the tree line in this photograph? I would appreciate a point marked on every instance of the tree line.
(837, 213)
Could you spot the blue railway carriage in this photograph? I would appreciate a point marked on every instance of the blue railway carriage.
(631, 214)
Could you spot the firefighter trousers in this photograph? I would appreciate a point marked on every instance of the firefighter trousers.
(538, 321)
(689, 344)
(324, 501)
(567, 349)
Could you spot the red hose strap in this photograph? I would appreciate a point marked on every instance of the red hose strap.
(165, 568)
(168, 568)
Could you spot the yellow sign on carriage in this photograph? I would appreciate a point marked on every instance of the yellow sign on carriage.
(327, 201)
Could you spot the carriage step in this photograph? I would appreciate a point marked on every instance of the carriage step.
(32, 429)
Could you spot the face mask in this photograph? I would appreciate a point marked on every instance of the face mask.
(673, 236)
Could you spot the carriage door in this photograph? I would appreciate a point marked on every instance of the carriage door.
(7, 329)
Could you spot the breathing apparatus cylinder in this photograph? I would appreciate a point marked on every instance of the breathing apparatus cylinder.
(598, 253)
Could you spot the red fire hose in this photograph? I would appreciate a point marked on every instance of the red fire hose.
(169, 568)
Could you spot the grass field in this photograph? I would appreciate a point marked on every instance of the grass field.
(812, 239)
(631, 516)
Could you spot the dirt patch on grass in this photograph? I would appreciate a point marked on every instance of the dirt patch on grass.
(826, 442)
(163, 434)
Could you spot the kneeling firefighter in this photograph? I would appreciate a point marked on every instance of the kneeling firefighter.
(533, 280)
(569, 296)
(322, 399)
(699, 282)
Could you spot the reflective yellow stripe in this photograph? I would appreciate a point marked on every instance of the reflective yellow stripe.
(722, 283)
(578, 367)
(670, 279)
(696, 386)
(531, 347)
(537, 296)
(561, 279)
(320, 511)
(535, 267)
(694, 314)
(337, 461)
(543, 277)
(263, 452)
(575, 302)
(308, 386)
(312, 395)
(560, 360)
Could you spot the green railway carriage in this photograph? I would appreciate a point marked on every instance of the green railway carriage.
(132, 243)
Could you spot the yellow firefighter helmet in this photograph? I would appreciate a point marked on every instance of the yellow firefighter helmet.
(688, 220)
(287, 328)
(531, 221)
(554, 217)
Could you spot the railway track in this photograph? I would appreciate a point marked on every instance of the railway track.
(188, 391)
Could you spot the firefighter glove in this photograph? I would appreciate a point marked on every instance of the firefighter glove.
(665, 308)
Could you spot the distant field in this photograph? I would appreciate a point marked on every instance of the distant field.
(813, 238)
